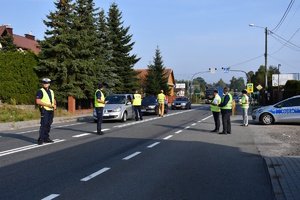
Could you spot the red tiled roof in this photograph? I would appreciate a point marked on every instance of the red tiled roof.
(2, 29)
(25, 43)
(143, 72)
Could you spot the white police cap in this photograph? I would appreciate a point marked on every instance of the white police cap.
(46, 80)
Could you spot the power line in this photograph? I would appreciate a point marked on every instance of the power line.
(287, 43)
(284, 16)
(247, 61)
(282, 62)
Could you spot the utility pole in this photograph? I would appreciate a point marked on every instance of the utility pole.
(266, 65)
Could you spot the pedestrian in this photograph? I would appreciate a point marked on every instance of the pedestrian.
(99, 105)
(47, 104)
(137, 103)
(226, 110)
(216, 110)
(161, 102)
(245, 106)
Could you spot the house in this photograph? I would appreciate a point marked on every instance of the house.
(24, 43)
(169, 74)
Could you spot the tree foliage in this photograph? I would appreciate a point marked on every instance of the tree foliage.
(121, 46)
(237, 84)
(7, 43)
(156, 78)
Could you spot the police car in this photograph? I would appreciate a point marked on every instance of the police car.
(286, 111)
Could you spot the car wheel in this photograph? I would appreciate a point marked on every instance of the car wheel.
(124, 118)
(267, 119)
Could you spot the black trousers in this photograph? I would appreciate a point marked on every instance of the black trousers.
(99, 111)
(226, 122)
(138, 112)
(46, 121)
(217, 120)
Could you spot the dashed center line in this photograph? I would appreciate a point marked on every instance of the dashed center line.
(132, 155)
(152, 145)
(168, 137)
(193, 124)
(187, 127)
(52, 196)
(81, 135)
(95, 174)
(178, 131)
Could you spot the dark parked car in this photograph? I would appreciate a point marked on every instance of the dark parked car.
(181, 102)
(150, 105)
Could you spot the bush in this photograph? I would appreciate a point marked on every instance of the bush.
(291, 88)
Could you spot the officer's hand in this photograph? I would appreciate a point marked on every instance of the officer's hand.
(54, 107)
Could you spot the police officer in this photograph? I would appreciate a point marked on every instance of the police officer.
(226, 110)
(216, 110)
(245, 106)
(137, 102)
(161, 102)
(99, 105)
(46, 101)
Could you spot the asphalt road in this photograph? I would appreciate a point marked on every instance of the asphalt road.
(174, 157)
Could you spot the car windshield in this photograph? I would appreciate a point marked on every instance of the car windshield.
(149, 99)
(115, 99)
(181, 99)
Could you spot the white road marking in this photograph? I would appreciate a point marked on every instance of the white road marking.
(27, 132)
(200, 121)
(168, 137)
(107, 129)
(11, 151)
(132, 155)
(95, 174)
(81, 135)
(178, 131)
(52, 196)
(207, 117)
(152, 145)
(187, 127)
(193, 124)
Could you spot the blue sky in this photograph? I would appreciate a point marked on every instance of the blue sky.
(193, 35)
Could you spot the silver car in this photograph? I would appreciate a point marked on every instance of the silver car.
(287, 111)
(118, 107)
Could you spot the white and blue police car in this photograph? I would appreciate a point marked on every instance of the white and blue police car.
(286, 111)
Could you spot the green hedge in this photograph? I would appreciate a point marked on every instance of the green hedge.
(18, 80)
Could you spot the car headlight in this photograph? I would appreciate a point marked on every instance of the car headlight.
(152, 107)
(117, 109)
(183, 104)
(173, 104)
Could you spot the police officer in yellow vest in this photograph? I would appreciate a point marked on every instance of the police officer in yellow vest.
(245, 106)
(137, 103)
(161, 102)
(216, 110)
(99, 105)
(45, 100)
(226, 110)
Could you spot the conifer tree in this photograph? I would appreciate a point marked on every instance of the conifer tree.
(156, 78)
(121, 46)
(7, 43)
(56, 56)
(105, 68)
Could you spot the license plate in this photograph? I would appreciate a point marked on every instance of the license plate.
(143, 110)
(105, 115)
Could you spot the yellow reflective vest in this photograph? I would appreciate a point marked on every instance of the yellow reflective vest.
(137, 100)
(46, 99)
(161, 98)
(214, 108)
(98, 104)
(229, 104)
(243, 101)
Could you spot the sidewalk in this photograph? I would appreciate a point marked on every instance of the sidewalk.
(284, 171)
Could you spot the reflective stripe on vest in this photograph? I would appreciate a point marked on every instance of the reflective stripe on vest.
(98, 104)
(243, 100)
(214, 108)
(137, 100)
(161, 98)
(46, 99)
(229, 104)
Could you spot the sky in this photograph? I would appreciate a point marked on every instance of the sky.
(192, 35)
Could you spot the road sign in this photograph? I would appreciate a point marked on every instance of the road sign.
(259, 87)
(226, 69)
(249, 87)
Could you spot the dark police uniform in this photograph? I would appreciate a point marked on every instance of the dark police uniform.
(226, 110)
(47, 114)
(137, 103)
(99, 108)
